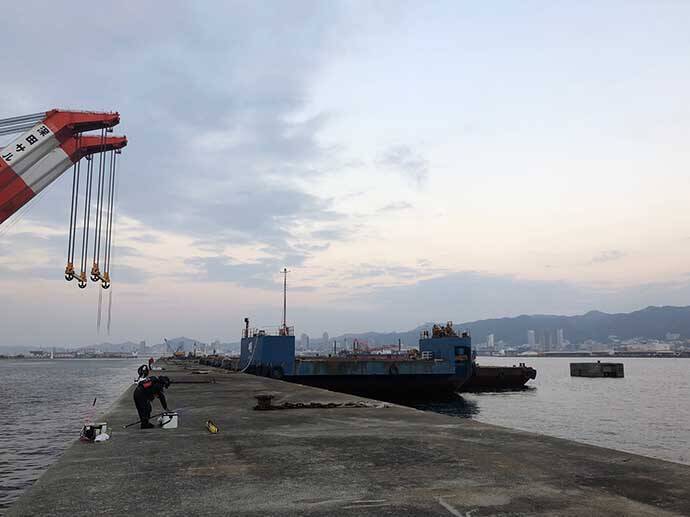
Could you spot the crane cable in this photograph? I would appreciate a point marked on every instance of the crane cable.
(87, 219)
(100, 305)
(110, 308)
(109, 223)
(112, 163)
(113, 228)
(95, 273)
(76, 208)
(69, 269)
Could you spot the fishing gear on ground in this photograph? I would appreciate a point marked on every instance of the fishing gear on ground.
(93, 431)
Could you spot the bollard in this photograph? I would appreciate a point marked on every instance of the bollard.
(263, 402)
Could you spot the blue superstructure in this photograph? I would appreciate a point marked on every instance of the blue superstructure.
(444, 342)
(268, 354)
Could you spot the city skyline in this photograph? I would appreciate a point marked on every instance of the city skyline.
(657, 330)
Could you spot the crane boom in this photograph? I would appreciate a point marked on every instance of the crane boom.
(20, 190)
(55, 131)
(51, 143)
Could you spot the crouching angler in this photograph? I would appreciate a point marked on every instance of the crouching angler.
(148, 389)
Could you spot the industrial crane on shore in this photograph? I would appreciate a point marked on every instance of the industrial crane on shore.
(49, 144)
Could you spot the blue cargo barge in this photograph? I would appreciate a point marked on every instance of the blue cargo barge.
(440, 367)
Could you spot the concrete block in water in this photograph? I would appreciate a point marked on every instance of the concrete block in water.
(597, 369)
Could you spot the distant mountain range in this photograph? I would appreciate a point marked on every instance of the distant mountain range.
(127, 346)
(652, 322)
(185, 344)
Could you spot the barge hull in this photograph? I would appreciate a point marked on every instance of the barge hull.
(496, 378)
(398, 387)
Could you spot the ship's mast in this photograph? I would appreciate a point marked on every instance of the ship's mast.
(285, 272)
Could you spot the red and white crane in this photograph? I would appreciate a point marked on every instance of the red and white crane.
(51, 143)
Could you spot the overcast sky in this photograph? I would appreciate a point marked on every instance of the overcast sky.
(406, 161)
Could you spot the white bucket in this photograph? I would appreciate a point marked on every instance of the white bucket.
(168, 420)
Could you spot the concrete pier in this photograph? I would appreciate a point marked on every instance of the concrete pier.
(341, 461)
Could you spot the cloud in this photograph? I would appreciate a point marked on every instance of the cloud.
(223, 269)
(146, 238)
(473, 295)
(406, 162)
(397, 206)
(395, 272)
(265, 217)
(258, 274)
(314, 248)
(120, 274)
(473, 291)
(125, 251)
(608, 256)
(124, 274)
(221, 143)
(252, 137)
(216, 156)
(330, 234)
(39, 251)
(372, 271)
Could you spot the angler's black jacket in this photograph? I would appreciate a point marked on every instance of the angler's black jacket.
(152, 387)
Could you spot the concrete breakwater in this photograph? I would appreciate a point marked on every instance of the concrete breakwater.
(369, 460)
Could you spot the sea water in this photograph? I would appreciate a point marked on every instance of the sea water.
(647, 412)
(43, 405)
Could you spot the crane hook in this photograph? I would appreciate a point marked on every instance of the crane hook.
(95, 272)
(69, 271)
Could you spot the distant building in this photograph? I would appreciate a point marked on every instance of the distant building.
(325, 338)
(671, 336)
(531, 338)
(142, 347)
(559, 338)
(490, 341)
(304, 341)
(544, 341)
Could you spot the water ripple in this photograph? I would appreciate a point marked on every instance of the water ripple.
(44, 404)
(647, 412)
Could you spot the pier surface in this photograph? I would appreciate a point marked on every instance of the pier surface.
(341, 461)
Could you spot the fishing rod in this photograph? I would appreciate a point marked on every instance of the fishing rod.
(211, 380)
(153, 416)
(139, 421)
(92, 411)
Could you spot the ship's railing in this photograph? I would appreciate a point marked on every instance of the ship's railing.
(271, 331)
(446, 330)
(409, 355)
